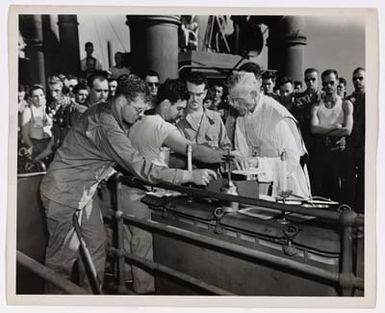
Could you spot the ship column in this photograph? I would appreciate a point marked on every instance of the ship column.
(286, 44)
(69, 43)
(31, 28)
(154, 44)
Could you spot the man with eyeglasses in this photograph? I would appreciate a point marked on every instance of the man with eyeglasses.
(264, 131)
(92, 148)
(200, 125)
(303, 103)
(356, 142)
(248, 67)
(152, 80)
(331, 122)
(305, 100)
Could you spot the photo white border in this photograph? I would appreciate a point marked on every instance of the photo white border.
(372, 114)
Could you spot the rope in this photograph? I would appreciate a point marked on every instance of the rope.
(99, 40)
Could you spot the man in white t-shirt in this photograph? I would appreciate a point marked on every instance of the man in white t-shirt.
(331, 122)
(153, 136)
(154, 132)
(35, 123)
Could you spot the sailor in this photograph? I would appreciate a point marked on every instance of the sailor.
(91, 149)
(154, 136)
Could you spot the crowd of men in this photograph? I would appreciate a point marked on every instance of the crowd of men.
(84, 128)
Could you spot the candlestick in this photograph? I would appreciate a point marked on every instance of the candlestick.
(283, 174)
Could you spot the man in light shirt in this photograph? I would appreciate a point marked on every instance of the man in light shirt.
(120, 67)
(154, 132)
(201, 125)
(35, 123)
(264, 130)
(89, 64)
(332, 121)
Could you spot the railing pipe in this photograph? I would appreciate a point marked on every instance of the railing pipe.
(87, 259)
(173, 273)
(332, 216)
(49, 275)
(346, 276)
(346, 218)
(234, 248)
(119, 235)
(243, 251)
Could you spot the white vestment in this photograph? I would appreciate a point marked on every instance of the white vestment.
(268, 131)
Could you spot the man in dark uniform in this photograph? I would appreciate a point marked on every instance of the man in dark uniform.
(303, 103)
(356, 142)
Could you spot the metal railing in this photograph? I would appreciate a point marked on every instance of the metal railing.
(343, 217)
(346, 219)
(49, 275)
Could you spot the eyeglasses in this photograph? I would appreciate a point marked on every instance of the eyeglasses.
(153, 84)
(139, 110)
(331, 83)
(358, 78)
(308, 79)
(237, 102)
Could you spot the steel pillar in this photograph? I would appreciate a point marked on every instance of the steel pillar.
(154, 44)
(286, 47)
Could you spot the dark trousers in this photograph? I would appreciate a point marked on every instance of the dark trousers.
(332, 174)
(359, 166)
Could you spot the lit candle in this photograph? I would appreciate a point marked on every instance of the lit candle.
(189, 158)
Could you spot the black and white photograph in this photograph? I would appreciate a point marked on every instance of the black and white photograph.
(180, 153)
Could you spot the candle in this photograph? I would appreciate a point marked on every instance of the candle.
(189, 158)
